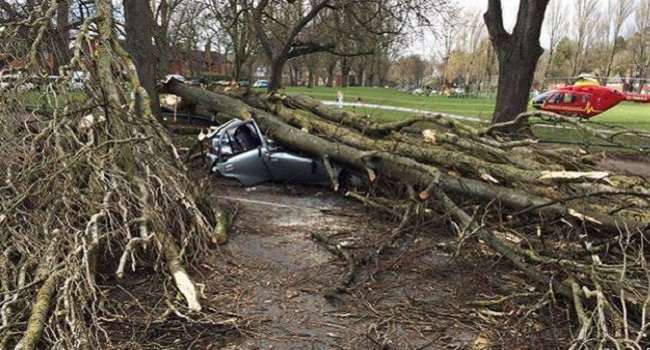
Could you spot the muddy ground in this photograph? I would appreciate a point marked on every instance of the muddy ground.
(278, 284)
(291, 288)
(301, 270)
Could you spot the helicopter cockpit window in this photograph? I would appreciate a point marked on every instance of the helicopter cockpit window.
(556, 98)
(569, 98)
(585, 98)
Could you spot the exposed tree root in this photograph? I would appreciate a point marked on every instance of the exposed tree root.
(94, 187)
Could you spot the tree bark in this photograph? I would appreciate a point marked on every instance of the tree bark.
(62, 54)
(517, 54)
(139, 35)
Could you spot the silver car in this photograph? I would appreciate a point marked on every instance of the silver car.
(239, 150)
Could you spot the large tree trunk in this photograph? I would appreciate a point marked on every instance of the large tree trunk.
(345, 72)
(139, 35)
(517, 54)
(62, 36)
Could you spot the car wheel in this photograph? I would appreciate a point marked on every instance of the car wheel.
(352, 181)
(210, 162)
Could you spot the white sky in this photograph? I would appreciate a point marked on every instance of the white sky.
(509, 9)
(426, 45)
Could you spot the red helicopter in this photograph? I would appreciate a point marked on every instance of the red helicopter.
(585, 99)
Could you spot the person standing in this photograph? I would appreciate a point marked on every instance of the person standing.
(339, 99)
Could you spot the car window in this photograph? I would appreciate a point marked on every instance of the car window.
(245, 138)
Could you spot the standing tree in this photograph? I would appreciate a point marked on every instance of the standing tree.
(410, 70)
(62, 35)
(235, 19)
(281, 26)
(163, 10)
(450, 32)
(517, 53)
(556, 27)
(138, 29)
(471, 39)
(612, 28)
(584, 19)
(639, 45)
(290, 45)
(185, 35)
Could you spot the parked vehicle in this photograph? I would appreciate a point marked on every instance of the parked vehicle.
(175, 76)
(16, 82)
(77, 80)
(261, 84)
(239, 150)
(197, 82)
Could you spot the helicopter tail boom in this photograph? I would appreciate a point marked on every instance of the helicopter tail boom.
(638, 98)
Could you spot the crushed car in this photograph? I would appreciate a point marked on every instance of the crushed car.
(238, 149)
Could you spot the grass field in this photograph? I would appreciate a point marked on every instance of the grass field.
(626, 115)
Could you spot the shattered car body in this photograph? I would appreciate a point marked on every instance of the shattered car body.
(239, 150)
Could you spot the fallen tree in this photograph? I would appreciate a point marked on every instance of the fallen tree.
(571, 228)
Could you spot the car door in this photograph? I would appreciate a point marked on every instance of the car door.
(290, 167)
(246, 164)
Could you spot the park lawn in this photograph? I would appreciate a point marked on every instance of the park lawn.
(626, 115)
(475, 107)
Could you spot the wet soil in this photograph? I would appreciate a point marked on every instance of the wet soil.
(287, 288)
(630, 164)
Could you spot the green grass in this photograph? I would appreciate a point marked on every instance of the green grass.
(40, 100)
(626, 115)
(390, 97)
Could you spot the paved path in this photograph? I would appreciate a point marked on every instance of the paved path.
(401, 109)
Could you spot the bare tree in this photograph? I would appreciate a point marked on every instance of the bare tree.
(449, 34)
(585, 15)
(473, 35)
(618, 12)
(279, 52)
(280, 26)
(163, 11)
(410, 70)
(517, 53)
(185, 35)
(234, 18)
(556, 27)
(639, 44)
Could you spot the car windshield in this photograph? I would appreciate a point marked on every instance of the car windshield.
(246, 137)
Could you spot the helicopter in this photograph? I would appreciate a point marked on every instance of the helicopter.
(585, 99)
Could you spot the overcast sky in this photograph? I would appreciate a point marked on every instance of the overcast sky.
(509, 7)
(424, 46)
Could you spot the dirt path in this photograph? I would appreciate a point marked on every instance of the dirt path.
(282, 284)
(630, 164)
